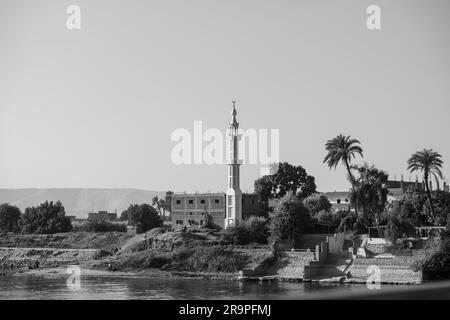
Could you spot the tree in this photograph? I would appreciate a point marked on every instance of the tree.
(370, 193)
(316, 203)
(156, 204)
(441, 208)
(143, 216)
(168, 199)
(342, 149)
(286, 178)
(9, 218)
(254, 229)
(430, 163)
(290, 220)
(46, 218)
(124, 215)
(161, 204)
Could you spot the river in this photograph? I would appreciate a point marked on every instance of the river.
(94, 287)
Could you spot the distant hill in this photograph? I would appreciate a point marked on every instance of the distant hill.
(78, 202)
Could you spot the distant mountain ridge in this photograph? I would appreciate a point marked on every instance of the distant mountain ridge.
(79, 201)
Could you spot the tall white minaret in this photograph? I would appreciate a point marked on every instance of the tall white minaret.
(234, 194)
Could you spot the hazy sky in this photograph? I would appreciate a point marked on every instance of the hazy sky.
(96, 107)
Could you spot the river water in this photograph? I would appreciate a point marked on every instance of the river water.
(94, 287)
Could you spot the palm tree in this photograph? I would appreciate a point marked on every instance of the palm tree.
(342, 149)
(430, 163)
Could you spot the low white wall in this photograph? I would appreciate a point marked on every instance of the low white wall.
(335, 243)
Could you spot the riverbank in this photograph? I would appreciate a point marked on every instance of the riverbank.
(147, 273)
(179, 255)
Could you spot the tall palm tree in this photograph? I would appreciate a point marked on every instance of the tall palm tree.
(342, 149)
(430, 163)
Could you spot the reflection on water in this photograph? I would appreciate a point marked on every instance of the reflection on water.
(55, 287)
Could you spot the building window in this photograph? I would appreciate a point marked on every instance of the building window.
(190, 213)
(178, 201)
(201, 222)
(346, 200)
(338, 200)
(179, 221)
(202, 201)
(253, 201)
(191, 201)
(229, 200)
(217, 201)
(229, 212)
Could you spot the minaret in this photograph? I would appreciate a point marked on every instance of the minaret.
(234, 194)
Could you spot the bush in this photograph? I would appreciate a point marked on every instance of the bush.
(437, 254)
(46, 218)
(100, 226)
(253, 229)
(214, 259)
(195, 257)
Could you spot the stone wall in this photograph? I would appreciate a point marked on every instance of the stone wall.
(395, 270)
(389, 274)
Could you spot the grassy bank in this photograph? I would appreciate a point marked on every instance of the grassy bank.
(120, 252)
(70, 240)
(195, 257)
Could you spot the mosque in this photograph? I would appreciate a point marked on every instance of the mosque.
(225, 208)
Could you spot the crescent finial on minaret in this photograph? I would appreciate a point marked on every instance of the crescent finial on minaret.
(234, 122)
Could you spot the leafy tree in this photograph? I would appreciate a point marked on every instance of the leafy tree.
(400, 221)
(263, 187)
(46, 218)
(430, 163)
(286, 178)
(342, 149)
(161, 205)
(316, 203)
(156, 204)
(290, 220)
(370, 193)
(124, 215)
(143, 216)
(9, 218)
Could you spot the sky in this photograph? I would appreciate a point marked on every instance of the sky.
(96, 107)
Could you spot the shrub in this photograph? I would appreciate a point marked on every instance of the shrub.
(253, 229)
(214, 259)
(100, 226)
(437, 254)
(195, 257)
